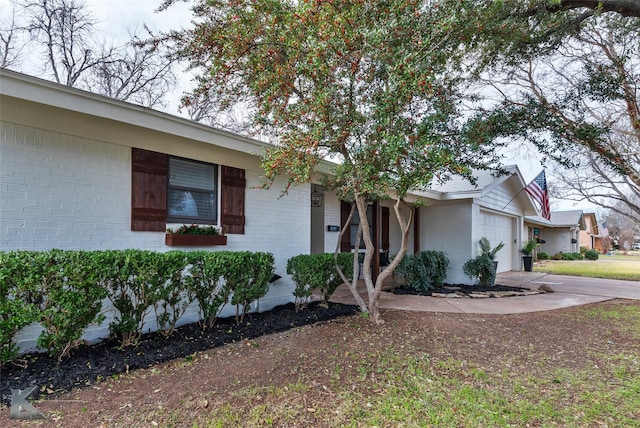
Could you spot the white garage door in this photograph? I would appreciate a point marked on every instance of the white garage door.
(499, 228)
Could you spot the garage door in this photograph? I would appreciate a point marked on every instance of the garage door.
(499, 228)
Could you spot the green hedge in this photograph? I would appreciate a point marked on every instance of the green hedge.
(63, 290)
(543, 255)
(591, 255)
(424, 270)
(317, 272)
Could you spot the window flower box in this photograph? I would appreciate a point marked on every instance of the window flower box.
(193, 235)
(194, 240)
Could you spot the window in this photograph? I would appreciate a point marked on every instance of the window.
(192, 191)
(188, 192)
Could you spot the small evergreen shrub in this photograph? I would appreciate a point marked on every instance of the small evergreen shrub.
(248, 275)
(317, 272)
(130, 277)
(63, 290)
(591, 255)
(424, 270)
(17, 309)
(542, 255)
(571, 256)
(172, 294)
(205, 283)
(583, 249)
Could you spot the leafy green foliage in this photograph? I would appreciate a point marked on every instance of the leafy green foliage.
(129, 277)
(64, 290)
(16, 311)
(567, 256)
(424, 270)
(194, 229)
(72, 300)
(529, 246)
(591, 255)
(247, 275)
(543, 255)
(378, 84)
(316, 272)
(206, 284)
(169, 286)
(483, 266)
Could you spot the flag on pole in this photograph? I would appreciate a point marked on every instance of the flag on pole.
(538, 191)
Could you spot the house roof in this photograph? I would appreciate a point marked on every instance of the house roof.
(460, 188)
(570, 218)
(40, 91)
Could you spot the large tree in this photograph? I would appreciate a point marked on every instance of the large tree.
(372, 84)
(64, 36)
(10, 49)
(570, 86)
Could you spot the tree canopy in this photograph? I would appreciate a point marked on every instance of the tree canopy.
(575, 97)
(376, 85)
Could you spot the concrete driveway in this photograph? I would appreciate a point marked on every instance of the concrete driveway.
(568, 291)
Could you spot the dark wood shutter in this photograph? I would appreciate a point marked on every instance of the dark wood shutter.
(233, 183)
(148, 190)
(345, 243)
(384, 244)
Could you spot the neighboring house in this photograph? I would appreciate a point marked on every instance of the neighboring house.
(587, 237)
(82, 171)
(566, 232)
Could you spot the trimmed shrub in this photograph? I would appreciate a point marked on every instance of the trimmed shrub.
(64, 290)
(248, 275)
(424, 270)
(591, 255)
(542, 255)
(317, 272)
(583, 249)
(172, 295)
(571, 256)
(17, 309)
(205, 283)
(72, 300)
(130, 277)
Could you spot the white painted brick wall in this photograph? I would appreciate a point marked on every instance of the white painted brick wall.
(61, 191)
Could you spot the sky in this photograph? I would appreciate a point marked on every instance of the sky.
(118, 17)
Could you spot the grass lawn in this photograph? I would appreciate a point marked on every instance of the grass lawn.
(575, 367)
(619, 266)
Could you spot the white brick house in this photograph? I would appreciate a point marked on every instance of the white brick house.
(456, 215)
(81, 171)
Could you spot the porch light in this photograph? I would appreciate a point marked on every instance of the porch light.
(316, 199)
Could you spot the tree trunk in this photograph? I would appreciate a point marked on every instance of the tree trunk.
(356, 266)
(374, 290)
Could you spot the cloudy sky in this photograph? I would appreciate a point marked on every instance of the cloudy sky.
(118, 17)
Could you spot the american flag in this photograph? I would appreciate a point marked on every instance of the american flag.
(538, 191)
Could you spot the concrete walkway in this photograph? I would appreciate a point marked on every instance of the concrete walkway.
(568, 291)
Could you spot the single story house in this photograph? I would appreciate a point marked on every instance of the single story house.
(83, 171)
(566, 231)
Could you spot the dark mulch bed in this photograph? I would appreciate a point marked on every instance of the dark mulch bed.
(90, 363)
(457, 288)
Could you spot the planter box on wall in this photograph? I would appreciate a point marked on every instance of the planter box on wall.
(194, 240)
